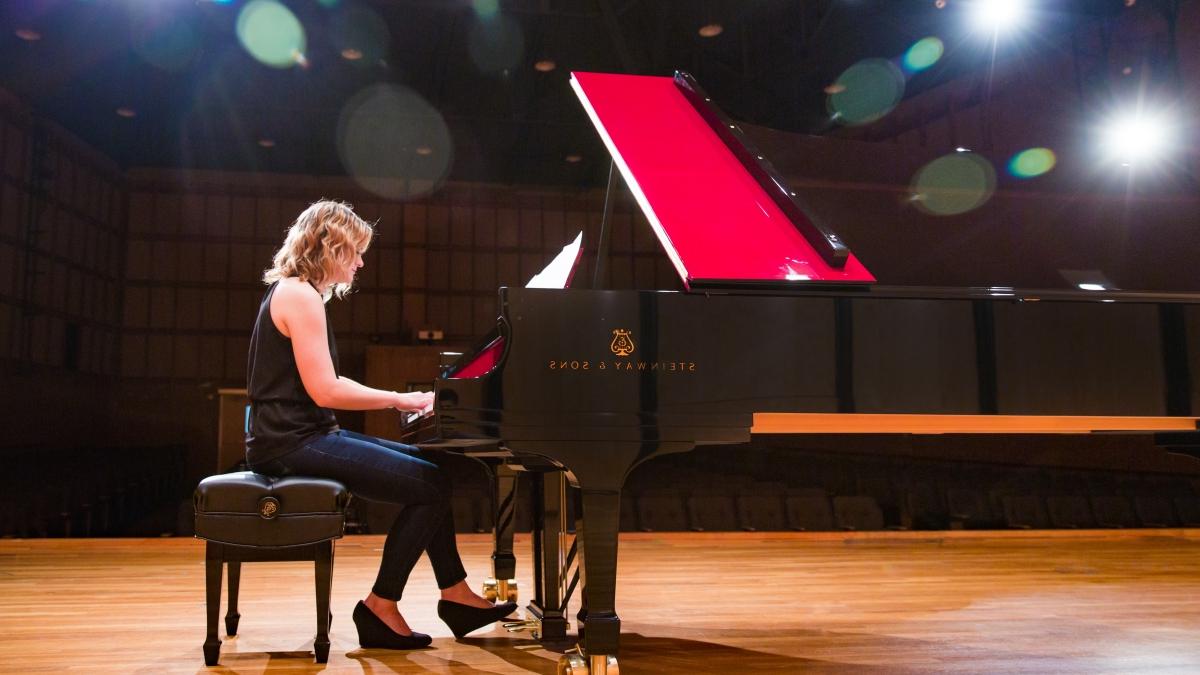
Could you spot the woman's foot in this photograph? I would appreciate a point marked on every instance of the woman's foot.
(374, 632)
(462, 594)
(389, 613)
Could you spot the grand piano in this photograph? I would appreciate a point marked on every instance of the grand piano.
(779, 329)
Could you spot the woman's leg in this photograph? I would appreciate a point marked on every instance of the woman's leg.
(374, 471)
(442, 547)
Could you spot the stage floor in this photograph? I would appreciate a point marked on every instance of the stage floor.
(919, 602)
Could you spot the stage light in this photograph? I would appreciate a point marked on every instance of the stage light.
(28, 34)
(1134, 138)
(545, 65)
(1091, 287)
(995, 16)
(126, 112)
(711, 30)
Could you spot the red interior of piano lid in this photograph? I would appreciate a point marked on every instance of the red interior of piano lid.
(483, 362)
(712, 217)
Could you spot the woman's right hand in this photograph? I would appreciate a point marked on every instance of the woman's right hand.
(414, 401)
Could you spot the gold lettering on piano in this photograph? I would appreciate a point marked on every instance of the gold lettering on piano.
(622, 345)
(666, 367)
(622, 342)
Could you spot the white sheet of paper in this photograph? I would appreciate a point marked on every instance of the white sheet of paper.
(558, 272)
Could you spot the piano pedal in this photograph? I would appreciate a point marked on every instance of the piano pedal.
(576, 662)
(504, 590)
(524, 625)
(534, 626)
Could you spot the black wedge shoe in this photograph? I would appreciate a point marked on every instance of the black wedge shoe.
(463, 619)
(373, 633)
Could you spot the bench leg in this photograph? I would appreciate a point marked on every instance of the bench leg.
(212, 586)
(323, 558)
(231, 615)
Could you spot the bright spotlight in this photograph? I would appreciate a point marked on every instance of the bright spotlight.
(1136, 137)
(995, 16)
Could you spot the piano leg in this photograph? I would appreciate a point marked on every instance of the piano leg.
(549, 531)
(502, 585)
(600, 634)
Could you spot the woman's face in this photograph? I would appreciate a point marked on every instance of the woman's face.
(348, 272)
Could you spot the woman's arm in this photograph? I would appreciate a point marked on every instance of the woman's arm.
(299, 313)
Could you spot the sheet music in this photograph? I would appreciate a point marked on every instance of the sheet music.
(558, 273)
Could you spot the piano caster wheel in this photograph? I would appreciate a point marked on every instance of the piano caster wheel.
(506, 590)
(577, 663)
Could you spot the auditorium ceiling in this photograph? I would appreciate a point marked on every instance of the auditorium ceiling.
(466, 89)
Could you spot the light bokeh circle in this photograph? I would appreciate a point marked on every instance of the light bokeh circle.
(866, 91)
(953, 184)
(393, 143)
(271, 33)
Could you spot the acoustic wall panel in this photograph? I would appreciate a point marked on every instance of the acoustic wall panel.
(461, 226)
(10, 211)
(484, 227)
(438, 225)
(414, 223)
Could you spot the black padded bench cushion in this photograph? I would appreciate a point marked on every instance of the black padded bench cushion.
(250, 509)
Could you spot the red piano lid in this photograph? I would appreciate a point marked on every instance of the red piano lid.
(712, 217)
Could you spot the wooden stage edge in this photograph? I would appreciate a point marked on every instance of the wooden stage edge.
(1095, 601)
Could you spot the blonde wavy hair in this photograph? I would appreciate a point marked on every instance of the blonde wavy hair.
(325, 237)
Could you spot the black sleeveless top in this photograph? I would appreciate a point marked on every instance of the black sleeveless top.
(282, 414)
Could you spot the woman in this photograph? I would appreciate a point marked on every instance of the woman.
(293, 382)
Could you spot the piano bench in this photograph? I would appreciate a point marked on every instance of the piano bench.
(248, 517)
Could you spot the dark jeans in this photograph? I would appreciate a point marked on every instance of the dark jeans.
(380, 470)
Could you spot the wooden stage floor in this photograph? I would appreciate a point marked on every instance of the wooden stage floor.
(1014, 602)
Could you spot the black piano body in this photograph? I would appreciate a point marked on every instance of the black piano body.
(580, 386)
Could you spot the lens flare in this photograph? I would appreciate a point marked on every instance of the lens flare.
(1138, 137)
(393, 142)
(1032, 162)
(994, 16)
(271, 33)
(496, 44)
(165, 41)
(361, 32)
(866, 91)
(486, 9)
(953, 184)
(923, 54)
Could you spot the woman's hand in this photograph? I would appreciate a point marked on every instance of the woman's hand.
(416, 401)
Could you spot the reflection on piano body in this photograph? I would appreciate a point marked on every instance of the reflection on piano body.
(780, 330)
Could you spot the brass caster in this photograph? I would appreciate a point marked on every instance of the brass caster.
(490, 589)
(572, 663)
(506, 590)
(577, 663)
(604, 664)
